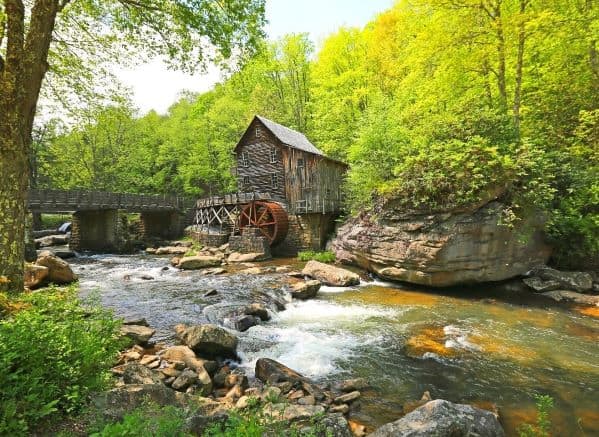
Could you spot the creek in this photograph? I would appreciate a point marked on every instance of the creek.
(479, 345)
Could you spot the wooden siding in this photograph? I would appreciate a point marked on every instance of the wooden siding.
(307, 183)
(257, 143)
(314, 186)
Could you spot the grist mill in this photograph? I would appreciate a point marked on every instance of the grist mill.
(289, 194)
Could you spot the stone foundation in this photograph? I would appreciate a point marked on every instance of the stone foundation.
(163, 224)
(306, 232)
(251, 241)
(95, 230)
(209, 240)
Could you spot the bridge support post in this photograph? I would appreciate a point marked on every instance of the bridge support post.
(162, 224)
(95, 230)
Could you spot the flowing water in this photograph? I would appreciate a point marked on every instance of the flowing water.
(478, 346)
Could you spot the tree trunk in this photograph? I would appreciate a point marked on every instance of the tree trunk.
(21, 78)
(519, 65)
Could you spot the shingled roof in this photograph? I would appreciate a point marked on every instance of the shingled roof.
(290, 137)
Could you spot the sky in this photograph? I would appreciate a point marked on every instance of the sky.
(156, 87)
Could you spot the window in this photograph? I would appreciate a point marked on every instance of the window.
(300, 163)
(245, 159)
(246, 180)
(274, 180)
(257, 131)
(273, 155)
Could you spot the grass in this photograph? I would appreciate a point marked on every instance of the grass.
(324, 257)
(53, 221)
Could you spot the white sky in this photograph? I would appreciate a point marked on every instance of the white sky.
(155, 87)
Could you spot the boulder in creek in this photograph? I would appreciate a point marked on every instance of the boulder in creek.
(305, 290)
(187, 356)
(138, 333)
(117, 402)
(354, 384)
(572, 296)
(185, 379)
(272, 372)
(330, 275)
(135, 373)
(547, 279)
(208, 340)
(198, 262)
(443, 418)
(446, 248)
(171, 250)
(258, 310)
(141, 321)
(52, 240)
(292, 412)
(237, 257)
(59, 270)
(244, 322)
(35, 276)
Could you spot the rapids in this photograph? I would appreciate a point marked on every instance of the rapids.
(479, 345)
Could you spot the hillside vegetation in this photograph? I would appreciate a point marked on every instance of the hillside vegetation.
(433, 103)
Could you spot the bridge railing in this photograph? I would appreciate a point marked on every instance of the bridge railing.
(87, 199)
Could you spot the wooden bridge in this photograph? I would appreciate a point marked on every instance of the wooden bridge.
(96, 222)
(43, 200)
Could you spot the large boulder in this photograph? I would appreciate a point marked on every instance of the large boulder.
(59, 270)
(138, 333)
(114, 404)
(198, 262)
(237, 257)
(572, 296)
(305, 290)
(170, 250)
(208, 340)
(440, 418)
(330, 275)
(441, 249)
(272, 372)
(136, 373)
(187, 356)
(547, 279)
(35, 276)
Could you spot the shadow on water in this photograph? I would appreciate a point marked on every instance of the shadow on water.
(482, 345)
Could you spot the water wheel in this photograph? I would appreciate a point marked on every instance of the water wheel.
(269, 217)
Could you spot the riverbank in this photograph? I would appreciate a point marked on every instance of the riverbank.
(471, 346)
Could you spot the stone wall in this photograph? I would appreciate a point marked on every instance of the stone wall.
(209, 240)
(251, 241)
(95, 230)
(306, 232)
(164, 224)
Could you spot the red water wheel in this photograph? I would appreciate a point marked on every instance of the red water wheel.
(269, 217)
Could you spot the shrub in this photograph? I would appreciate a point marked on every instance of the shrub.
(149, 419)
(53, 353)
(324, 257)
(543, 426)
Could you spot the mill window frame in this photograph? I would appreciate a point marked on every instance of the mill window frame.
(273, 155)
(274, 181)
(245, 159)
(246, 180)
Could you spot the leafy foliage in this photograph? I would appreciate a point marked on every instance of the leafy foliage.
(149, 419)
(543, 426)
(53, 353)
(436, 104)
(324, 257)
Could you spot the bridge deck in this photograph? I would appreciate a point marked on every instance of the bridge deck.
(42, 200)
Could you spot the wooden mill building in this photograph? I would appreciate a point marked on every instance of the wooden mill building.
(287, 188)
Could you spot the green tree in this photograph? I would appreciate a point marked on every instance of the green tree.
(178, 29)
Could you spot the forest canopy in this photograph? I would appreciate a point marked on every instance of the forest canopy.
(435, 103)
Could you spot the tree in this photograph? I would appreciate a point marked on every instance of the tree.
(187, 33)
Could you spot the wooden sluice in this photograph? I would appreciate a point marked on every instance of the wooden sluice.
(220, 214)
